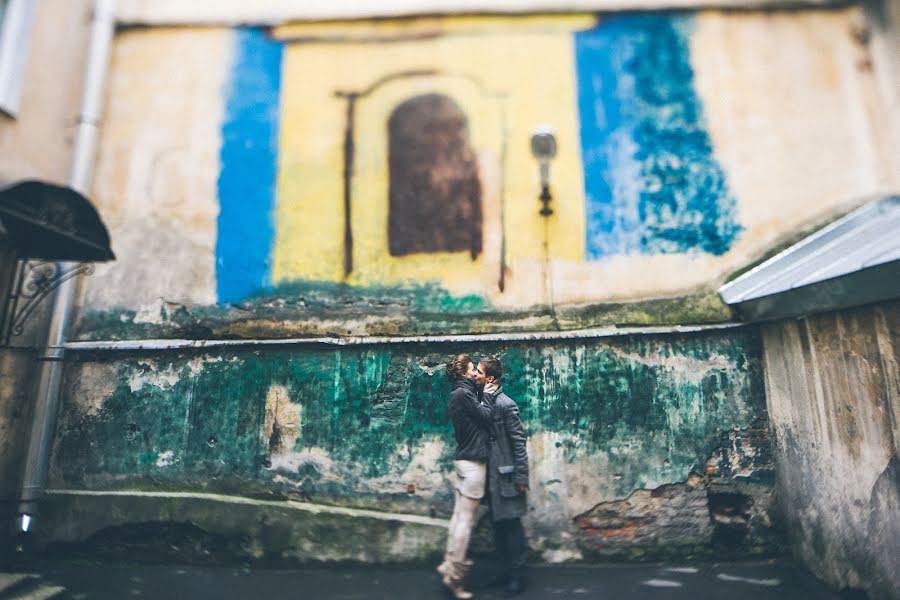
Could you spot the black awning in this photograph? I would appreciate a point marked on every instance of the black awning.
(47, 221)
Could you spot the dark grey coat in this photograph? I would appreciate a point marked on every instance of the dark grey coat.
(508, 462)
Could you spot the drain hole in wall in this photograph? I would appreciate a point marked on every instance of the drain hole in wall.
(730, 515)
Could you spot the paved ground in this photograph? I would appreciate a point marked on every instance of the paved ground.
(92, 581)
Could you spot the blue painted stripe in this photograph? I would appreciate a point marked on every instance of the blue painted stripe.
(652, 183)
(247, 180)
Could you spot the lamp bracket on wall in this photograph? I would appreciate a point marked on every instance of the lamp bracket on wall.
(543, 148)
(34, 281)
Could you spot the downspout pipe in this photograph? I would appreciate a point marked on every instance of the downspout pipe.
(51, 358)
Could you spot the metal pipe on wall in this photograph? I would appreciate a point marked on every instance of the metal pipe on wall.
(51, 359)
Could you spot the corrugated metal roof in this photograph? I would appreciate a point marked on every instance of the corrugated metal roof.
(867, 238)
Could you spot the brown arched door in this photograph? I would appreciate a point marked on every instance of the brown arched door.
(435, 192)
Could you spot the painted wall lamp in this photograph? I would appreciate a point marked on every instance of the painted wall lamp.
(543, 148)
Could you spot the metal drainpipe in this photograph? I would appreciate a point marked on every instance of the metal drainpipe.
(51, 359)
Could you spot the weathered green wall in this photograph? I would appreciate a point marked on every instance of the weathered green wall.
(366, 427)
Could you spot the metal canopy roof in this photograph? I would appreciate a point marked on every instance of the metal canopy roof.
(853, 261)
(47, 221)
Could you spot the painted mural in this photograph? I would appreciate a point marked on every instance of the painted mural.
(417, 166)
(247, 178)
(652, 182)
(435, 191)
(375, 177)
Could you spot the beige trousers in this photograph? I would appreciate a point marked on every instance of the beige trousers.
(469, 491)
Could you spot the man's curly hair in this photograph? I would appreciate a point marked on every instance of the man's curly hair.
(457, 367)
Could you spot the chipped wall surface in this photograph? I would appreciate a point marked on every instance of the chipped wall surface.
(255, 197)
(611, 423)
(834, 401)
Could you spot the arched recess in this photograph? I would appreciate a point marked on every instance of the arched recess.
(434, 186)
(457, 268)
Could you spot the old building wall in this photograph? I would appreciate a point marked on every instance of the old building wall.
(640, 446)
(833, 392)
(244, 174)
(882, 33)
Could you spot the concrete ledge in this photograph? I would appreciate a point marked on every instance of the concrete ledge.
(234, 527)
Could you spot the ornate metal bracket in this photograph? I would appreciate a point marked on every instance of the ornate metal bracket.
(34, 281)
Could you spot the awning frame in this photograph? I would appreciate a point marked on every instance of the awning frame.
(75, 237)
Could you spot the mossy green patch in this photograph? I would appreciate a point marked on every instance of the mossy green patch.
(305, 311)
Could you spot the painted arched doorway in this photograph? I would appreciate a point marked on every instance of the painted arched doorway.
(434, 190)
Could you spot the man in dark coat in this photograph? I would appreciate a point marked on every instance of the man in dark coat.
(472, 420)
(507, 479)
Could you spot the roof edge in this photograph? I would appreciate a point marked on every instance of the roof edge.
(851, 261)
(278, 12)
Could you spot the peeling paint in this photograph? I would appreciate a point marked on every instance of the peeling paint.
(150, 375)
(316, 461)
(699, 367)
(165, 459)
(282, 423)
(96, 384)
